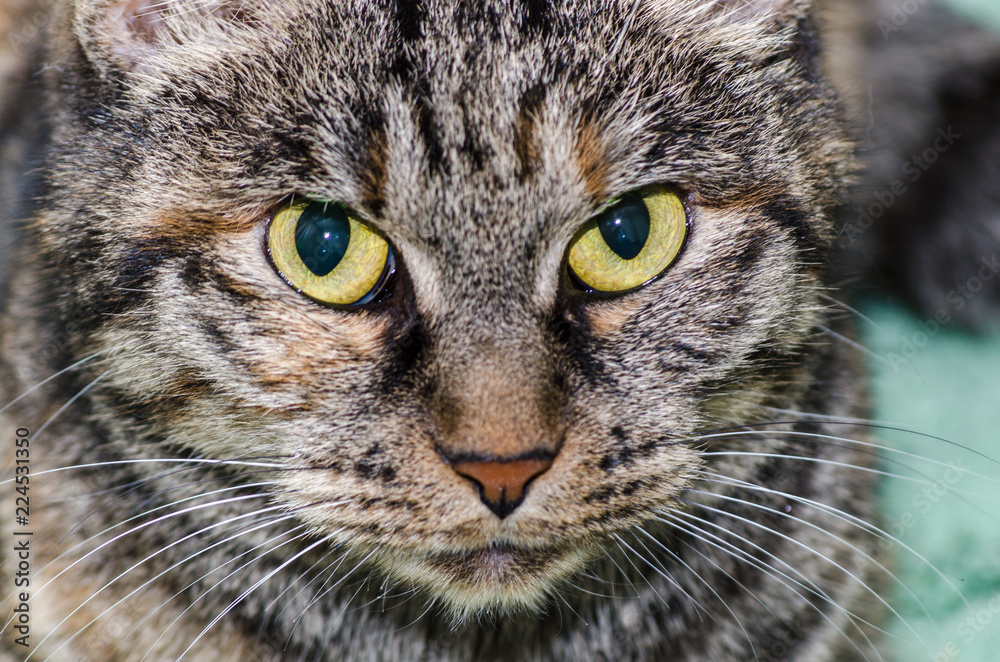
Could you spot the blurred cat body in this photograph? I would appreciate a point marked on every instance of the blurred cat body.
(264, 477)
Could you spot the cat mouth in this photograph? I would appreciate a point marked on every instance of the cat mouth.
(499, 577)
(497, 558)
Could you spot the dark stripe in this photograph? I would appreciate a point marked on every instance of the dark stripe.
(626, 454)
(600, 495)
(767, 355)
(200, 271)
(591, 158)
(404, 352)
(402, 66)
(477, 151)
(728, 322)
(430, 132)
(216, 335)
(770, 363)
(525, 128)
(373, 172)
(131, 287)
(752, 251)
(182, 388)
(790, 217)
(410, 16)
(740, 269)
(632, 487)
(805, 49)
(691, 352)
(368, 470)
(537, 18)
(291, 149)
(582, 349)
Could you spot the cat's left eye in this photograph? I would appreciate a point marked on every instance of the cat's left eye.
(326, 253)
(629, 244)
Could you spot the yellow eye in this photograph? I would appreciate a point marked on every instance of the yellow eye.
(630, 243)
(326, 253)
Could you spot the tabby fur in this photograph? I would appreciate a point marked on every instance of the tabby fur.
(260, 476)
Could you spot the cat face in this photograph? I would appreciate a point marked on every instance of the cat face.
(477, 142)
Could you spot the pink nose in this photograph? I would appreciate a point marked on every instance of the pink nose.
(502, 483)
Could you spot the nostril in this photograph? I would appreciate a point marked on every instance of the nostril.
(502, 482)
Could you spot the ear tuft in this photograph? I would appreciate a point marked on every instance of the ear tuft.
(761, 10)
(130, 34)
(143, 20)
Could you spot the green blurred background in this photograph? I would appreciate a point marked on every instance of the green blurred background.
(984, 11)
(946, 505)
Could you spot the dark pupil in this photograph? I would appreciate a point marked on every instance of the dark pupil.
(321, 236)
(625, 227)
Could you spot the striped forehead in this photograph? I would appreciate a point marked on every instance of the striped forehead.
(448, 106)
(513, 120)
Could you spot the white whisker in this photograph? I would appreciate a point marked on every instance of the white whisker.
(824, 558)
(741, 555)
(48, 379)
(162, 573)
(663, 573)
(67, 405)
(194, 602)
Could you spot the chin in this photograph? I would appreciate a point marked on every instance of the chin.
(488, 582)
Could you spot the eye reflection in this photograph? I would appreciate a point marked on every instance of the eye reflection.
(625, 227)
(322, 235)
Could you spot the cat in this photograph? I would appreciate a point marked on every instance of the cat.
(440, 330)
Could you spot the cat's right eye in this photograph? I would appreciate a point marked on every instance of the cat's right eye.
(326, 253)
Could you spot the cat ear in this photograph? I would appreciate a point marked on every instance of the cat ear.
(133, 34)
(761, 10)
